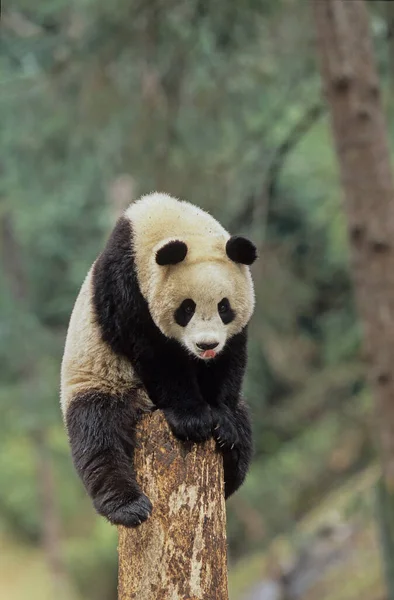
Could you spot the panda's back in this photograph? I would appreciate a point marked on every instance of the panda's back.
(158, 216)
(88, 362)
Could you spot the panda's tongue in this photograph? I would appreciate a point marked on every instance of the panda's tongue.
(208, 354)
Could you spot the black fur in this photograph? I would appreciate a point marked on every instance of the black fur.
(241, 250)
(101, 433)
(184, 312)
(199, 398)
(172, 253)
(234, 438)
(226, 313)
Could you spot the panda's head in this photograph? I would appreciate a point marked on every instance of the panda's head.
(202, 292)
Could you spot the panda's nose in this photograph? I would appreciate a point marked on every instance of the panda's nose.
(207, 345)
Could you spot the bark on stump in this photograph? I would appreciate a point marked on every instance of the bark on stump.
(179, 553)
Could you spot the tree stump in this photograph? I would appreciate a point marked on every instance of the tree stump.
(179, 553)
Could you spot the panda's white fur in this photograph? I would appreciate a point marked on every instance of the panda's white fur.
(207, 275)
(88, 361)
(116, 344)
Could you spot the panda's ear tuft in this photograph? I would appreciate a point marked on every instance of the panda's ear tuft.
(171, 253)
(241, 250)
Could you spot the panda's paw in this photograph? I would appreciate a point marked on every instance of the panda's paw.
(129, 513)
(224, 431)
(191, 426)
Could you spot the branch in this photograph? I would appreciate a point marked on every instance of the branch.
(269, 189)
(293, 138)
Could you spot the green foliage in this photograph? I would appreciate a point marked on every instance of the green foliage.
(196, 100)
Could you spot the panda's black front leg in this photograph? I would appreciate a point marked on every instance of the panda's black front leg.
(172, 386)
(190, 424)
(101, 433)
(232, 430)
(233, 433)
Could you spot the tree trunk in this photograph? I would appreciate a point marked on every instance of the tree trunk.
(180, 552)
(352, 89)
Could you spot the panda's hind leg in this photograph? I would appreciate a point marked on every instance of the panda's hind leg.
(101, 430)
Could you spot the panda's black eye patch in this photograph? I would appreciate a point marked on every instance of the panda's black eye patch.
(225, 311)
(184, 312)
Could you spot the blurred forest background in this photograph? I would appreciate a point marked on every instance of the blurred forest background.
(218, 103)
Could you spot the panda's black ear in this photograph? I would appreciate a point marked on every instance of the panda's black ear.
(171, 253)
(241, 250)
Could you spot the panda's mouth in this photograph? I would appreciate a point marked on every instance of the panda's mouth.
(208, 354)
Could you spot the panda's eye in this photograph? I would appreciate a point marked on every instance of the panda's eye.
(185, 312)
(225, 311)
(223, 306)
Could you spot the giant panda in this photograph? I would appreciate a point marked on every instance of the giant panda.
(160, 322)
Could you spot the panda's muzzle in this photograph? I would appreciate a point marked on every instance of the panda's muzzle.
(207, 349)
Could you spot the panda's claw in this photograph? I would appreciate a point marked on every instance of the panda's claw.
(128, 513)
(225, 432)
